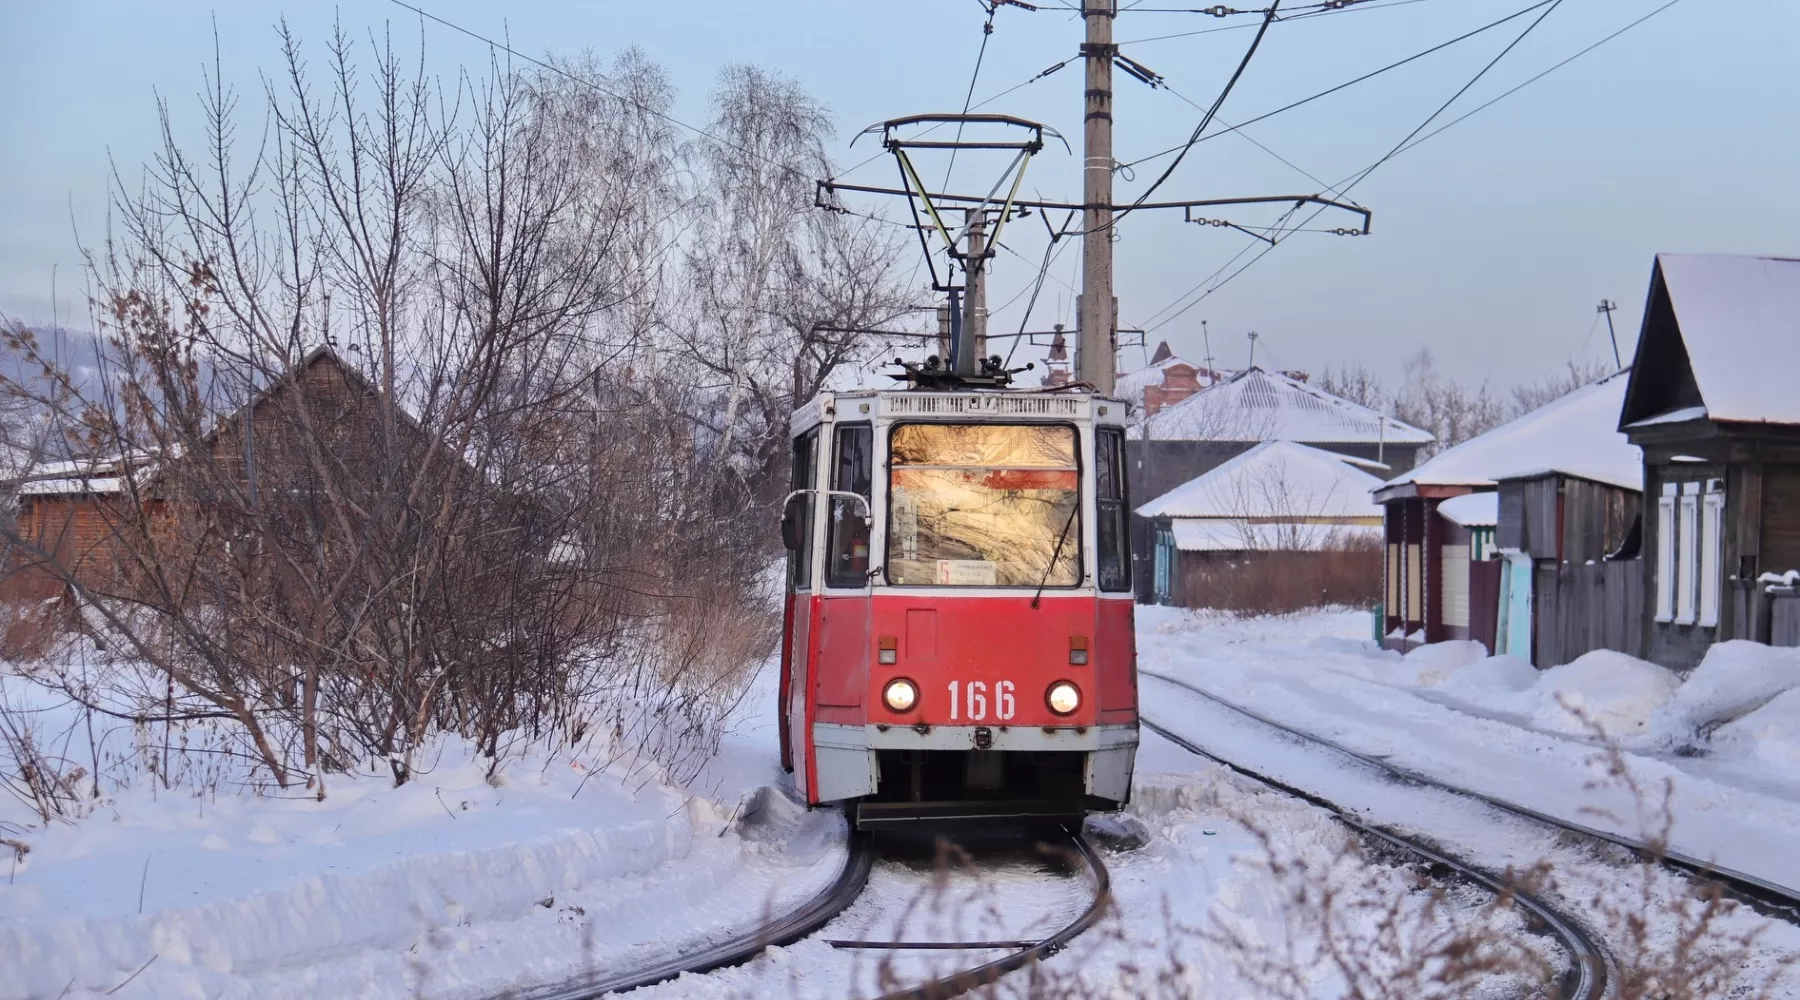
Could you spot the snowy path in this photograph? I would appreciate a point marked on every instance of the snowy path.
(1316, 684)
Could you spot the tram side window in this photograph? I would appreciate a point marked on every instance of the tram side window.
(1109, 476)
(852, 472)
(806, 459)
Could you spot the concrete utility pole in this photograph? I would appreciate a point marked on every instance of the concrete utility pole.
(1607, 307)
(1098, 322)
(971, 347)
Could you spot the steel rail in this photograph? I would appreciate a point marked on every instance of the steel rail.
(1589, 963)
(958, 983)
(1768, 897)
(784, 930)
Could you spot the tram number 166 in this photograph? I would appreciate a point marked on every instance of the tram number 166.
(974, 703)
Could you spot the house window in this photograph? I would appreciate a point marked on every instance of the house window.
(1712, 551)
(1690, 546)
(1665, 554)
(1687, 556)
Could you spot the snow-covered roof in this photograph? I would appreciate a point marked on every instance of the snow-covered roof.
(1740, 321)
(82, 475)
(1131, 385)
(1255, 405)
(1233, 535)
(1472, 510)
(1573, 435)
(1275, 479)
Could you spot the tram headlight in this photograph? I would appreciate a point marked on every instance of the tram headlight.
(1063, 698)
(900, 695)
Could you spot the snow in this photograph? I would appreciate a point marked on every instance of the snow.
(1498, 727)
(1739, 318)
(455, 884)
(1233, 535)
(1274, 479)
(1682, 415)
(1576, 435)
(1472, 510)
(1768, 735)
(1600, 690)
(1733, 679)
(1255, 405)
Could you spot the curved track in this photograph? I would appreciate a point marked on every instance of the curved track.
(963, 981)
(1588, 964)
(813, 915)
(1765, 896)
(800, 922)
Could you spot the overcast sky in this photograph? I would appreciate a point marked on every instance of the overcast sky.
(1492, 242)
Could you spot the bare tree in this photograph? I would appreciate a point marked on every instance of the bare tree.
(1528, 396)
(368, 455)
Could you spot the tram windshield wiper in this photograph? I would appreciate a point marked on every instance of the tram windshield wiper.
(1056, 554)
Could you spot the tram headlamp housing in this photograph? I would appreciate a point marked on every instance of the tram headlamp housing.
(1063, 697)
(900, 695)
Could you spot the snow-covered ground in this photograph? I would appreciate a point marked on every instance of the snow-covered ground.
(455, 885)
(1723, 740)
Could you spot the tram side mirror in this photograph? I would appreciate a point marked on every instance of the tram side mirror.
(793, 522)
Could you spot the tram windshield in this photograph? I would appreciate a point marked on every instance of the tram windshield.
(984, 505)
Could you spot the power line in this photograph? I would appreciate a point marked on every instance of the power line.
(1409, 142)
(1351, 83)
(987, 31)
(1255, 43)
(641, 106)
(1302, 16)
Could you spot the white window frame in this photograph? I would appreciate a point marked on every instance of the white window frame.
(1712, 553)
(1665, 554)
(1687, 557)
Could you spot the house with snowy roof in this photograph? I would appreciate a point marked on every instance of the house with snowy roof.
(1714, 402)
(1522, 538)
(1167, 379)
(1188, 438)
(1282, 525)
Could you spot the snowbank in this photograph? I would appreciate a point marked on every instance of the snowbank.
(1735, 678)
(1602, 689)
(1770, 734)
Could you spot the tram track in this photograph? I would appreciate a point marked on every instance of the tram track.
(1760, 894)
(817, 913)
(1589, 964)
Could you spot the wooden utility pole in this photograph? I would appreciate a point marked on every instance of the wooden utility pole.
(1098, 322)
(1607, 307)
(971, 347)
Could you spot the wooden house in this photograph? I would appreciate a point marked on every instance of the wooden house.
(1714, 402)
(1280, 526)
(74, 514)
(1563, 480)
(1183, 440)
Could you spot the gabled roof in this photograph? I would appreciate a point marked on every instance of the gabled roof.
(1255, 405)
(1275, 479)
(1721, 332)
(1575, 435)
(1131, 385)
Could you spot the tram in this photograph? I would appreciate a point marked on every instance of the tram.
(957, 640)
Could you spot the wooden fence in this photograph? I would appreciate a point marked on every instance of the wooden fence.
(1592, 606)
(1784, 621)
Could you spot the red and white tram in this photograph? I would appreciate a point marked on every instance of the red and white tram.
(958, 639)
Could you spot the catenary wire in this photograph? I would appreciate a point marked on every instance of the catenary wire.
(1218, 102)
(1351, 83)
(1303, 16)
(987, 31)
(1412, 144)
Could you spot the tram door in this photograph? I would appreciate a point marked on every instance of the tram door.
(797, 640)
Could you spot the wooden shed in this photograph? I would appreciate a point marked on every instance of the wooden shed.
(1570, 544)
(1714, 401)
(1280, 527)
(1436, 588)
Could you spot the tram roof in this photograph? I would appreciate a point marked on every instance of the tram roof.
(985, 404)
